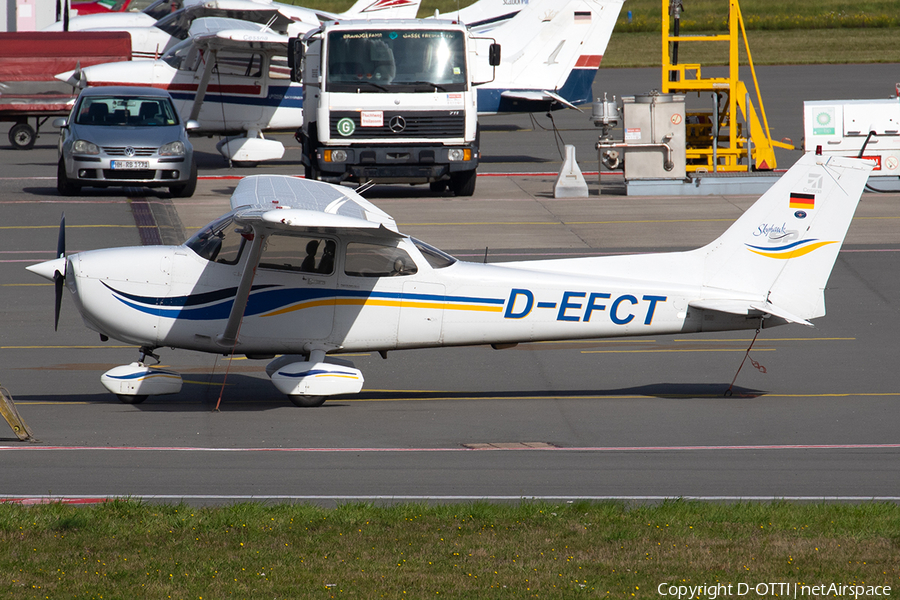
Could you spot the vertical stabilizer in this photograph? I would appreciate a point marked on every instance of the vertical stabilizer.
(383, 9)
(783, 248)
(556, 46)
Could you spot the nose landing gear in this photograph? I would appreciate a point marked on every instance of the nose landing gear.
(133, 383)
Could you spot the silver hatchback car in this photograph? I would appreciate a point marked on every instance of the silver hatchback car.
(118, 136)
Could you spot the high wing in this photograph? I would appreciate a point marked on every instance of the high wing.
(316, 201)
(284, 205)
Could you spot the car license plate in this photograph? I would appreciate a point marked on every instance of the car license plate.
(130, 164)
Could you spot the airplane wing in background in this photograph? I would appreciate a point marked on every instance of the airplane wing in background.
(217, 32)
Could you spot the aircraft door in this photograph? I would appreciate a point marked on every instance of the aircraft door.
(294, 288)
(371, 293)
(421, 314)
(237, 90)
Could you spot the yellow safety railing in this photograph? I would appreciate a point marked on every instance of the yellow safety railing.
(716, 139)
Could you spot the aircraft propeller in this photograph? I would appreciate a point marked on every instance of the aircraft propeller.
(59, 279)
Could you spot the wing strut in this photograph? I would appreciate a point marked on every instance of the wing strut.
(211, 57)
(228, 338)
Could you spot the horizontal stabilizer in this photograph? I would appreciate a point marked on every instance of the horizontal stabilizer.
(744, 307)
(537, 96)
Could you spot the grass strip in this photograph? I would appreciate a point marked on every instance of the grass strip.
(127, 549)
(806, 47)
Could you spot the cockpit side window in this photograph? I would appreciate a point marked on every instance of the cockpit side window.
(371, 260)
(298, 253)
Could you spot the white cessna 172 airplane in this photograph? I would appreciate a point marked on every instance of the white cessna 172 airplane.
(551, 53)
(308, 270)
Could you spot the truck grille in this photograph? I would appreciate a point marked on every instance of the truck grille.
(425, 124)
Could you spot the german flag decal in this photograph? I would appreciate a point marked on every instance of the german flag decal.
(799, 200)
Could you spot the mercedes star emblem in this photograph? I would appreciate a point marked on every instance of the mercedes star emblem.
(397, 124)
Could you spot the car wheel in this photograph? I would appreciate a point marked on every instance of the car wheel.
(22, 136)
(63, 184)
(187, 190)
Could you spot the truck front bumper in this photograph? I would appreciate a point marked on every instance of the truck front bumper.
(395, 164)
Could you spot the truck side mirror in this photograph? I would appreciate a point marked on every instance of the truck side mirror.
(295, 59)
(494, 55)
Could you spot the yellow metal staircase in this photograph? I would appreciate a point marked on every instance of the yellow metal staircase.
(716, 140)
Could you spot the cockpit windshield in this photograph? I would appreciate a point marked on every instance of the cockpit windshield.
(396, 61)
(161, 8)
(222, 241)
(438, 259)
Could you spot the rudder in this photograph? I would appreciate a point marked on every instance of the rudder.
(783, 248)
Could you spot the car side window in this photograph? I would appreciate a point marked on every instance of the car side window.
(372, 260)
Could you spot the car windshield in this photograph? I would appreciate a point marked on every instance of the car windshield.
(126, 110)
(396, 61)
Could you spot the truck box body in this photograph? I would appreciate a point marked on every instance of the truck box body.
(843, 127)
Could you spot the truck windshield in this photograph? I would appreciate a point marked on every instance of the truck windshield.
(396, 61)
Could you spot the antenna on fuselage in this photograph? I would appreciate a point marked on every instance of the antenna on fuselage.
(365, 187)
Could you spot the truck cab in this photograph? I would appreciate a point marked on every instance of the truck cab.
(391, 101)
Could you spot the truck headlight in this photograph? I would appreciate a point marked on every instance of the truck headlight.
(172, 149)
(460, 154)
(335, 155)
(85, 147)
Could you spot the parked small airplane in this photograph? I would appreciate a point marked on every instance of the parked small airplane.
(152, 40)
(308, 270)
(165, 23)
(551, 52)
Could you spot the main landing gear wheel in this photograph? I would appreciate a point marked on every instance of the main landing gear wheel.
(307, 401)
(127, 399)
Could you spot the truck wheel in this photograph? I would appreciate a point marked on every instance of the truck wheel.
(438, 187)
(310, 172)
(22, 136)
(463, 183)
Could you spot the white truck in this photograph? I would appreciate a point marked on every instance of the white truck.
(857, 128)
(392, 101)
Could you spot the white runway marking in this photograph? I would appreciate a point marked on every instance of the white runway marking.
(35, 448)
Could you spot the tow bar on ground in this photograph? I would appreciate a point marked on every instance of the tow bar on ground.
(11, 414)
